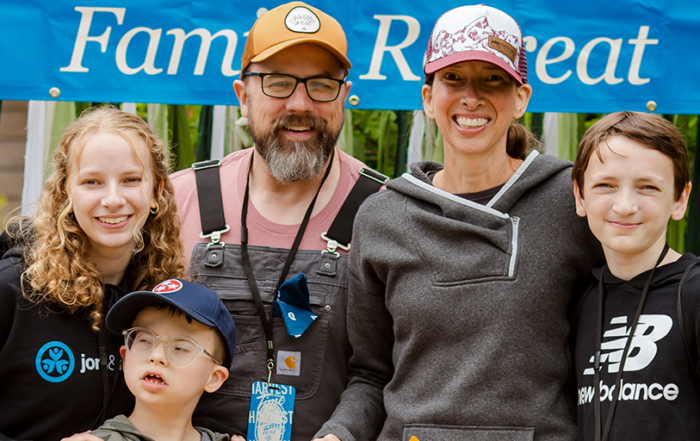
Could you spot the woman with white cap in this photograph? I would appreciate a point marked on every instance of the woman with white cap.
(461, 274)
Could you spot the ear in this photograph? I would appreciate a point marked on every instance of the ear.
(580, 202)
(682, 203)
(427, 93)
(348, 85)
(523, 95)
(159, 193)
(218, 376)
(242, 95)
(122, 351)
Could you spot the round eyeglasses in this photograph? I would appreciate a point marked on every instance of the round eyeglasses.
(180, 351)
(283, 86)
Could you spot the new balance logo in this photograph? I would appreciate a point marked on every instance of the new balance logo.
(651, 328)
(630, 392)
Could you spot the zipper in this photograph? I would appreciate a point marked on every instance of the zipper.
(514, 245)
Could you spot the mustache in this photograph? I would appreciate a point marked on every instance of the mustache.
(312, 121)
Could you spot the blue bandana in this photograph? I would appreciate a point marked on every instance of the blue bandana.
(293, 305)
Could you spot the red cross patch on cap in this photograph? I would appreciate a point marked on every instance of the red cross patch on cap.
(171, 285)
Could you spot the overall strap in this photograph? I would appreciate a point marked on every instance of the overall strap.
(211, 210)
(340, 232)
(211, 207)
(693, 360)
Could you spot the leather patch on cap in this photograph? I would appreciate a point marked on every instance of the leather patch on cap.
(503, 47)
(302, 20)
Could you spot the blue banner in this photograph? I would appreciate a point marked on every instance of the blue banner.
(593, 56)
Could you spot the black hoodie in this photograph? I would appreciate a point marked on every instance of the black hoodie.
(659, 399)
(50, 380)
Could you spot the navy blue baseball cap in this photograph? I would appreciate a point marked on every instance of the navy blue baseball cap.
(194, 300)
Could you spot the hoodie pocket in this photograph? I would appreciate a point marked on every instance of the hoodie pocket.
(478, 249)
(432, 432)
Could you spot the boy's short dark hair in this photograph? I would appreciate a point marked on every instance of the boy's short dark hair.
(647, 129)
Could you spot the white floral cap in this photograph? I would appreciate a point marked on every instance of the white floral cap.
(477, 33)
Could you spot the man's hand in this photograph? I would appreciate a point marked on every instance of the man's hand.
(233, 438)
(84, 436)
(325, 438)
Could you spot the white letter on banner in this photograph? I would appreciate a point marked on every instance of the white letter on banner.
(82, 38)
(542, 61)
(205, 35)
(530, 43)
(147, 65)
(639, 44)
(609, 74)
(380, 47)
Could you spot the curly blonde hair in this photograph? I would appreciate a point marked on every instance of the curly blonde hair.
(59, 270)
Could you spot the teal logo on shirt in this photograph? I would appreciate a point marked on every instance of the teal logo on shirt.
(55, 362)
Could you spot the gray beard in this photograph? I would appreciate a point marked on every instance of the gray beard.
(294, 161)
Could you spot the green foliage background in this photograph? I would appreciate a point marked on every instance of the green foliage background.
(379, 138)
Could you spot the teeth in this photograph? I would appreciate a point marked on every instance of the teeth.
(298, 129)
(469, 122)
(155, 379)
(113, 220)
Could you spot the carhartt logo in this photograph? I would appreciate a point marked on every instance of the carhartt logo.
(290, 364)
(303, 20)
(55, 362)
(651, 328)
(168, 286)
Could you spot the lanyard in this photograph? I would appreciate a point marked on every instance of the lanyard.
(599, 339)
(266, 322)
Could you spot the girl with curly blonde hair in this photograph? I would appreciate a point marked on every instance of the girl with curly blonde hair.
(105, 225)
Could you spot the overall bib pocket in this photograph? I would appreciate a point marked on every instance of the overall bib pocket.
(303, 357)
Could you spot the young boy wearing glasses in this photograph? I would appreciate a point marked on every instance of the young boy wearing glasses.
(179, 342)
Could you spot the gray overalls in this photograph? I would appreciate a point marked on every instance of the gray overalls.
(320, 371)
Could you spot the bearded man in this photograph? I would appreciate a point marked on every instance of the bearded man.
(262, 213)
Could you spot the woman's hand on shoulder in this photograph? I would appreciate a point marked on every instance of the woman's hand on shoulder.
(84, 436)
(325, 438)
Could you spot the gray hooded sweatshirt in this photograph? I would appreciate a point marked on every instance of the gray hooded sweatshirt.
(457, 311)
(121, 429)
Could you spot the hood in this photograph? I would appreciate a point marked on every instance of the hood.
(122, 425)
(665, 275)
(12, 252)
(15, 237)
(534, 170)
(127, 431)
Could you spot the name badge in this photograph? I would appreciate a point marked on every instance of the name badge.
(271, 412)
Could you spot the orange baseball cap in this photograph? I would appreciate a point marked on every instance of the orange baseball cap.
(291, 24)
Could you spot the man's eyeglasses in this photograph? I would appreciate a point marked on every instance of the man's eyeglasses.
(283, 86)
(180, 351)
